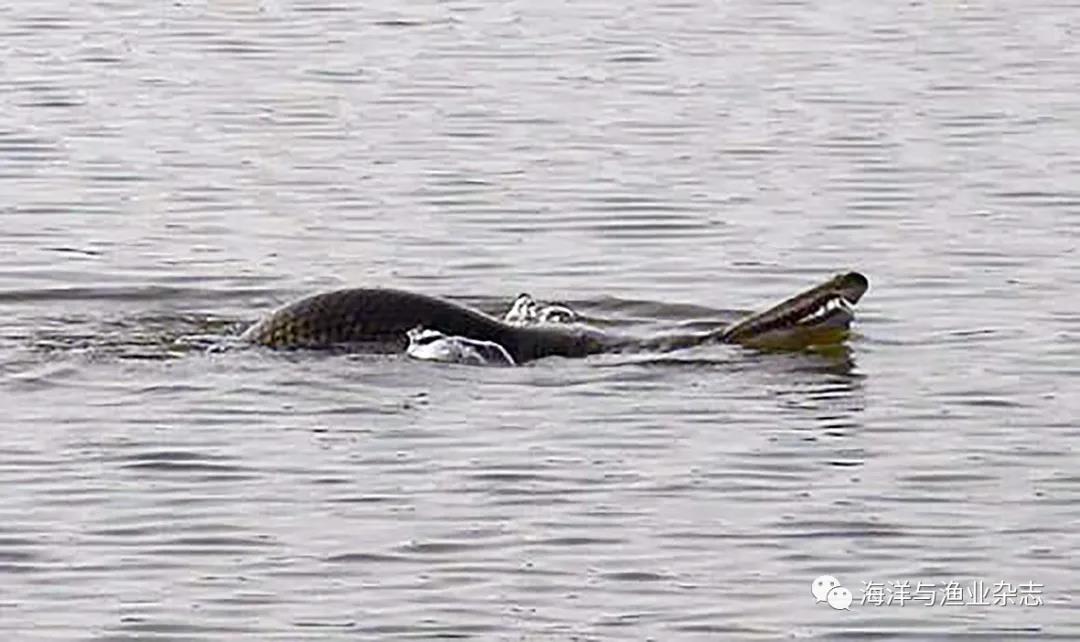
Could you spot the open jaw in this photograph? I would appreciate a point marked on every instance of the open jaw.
(814, 317)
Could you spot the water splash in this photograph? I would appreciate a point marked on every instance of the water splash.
(431, 345)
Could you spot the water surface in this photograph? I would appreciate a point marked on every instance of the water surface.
(170, 172)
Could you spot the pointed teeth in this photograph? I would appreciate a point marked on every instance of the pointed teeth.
(832, 304)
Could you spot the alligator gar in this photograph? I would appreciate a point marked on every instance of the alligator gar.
(382, 318)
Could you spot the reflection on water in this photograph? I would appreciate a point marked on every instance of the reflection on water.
(170, 173)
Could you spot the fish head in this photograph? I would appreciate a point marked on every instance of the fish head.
(821, 315)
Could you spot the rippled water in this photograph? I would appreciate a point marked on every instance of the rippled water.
(171, 171)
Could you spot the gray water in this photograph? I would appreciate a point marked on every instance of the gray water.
(170, 171)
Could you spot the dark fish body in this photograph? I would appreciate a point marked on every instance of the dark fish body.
(380, 318)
